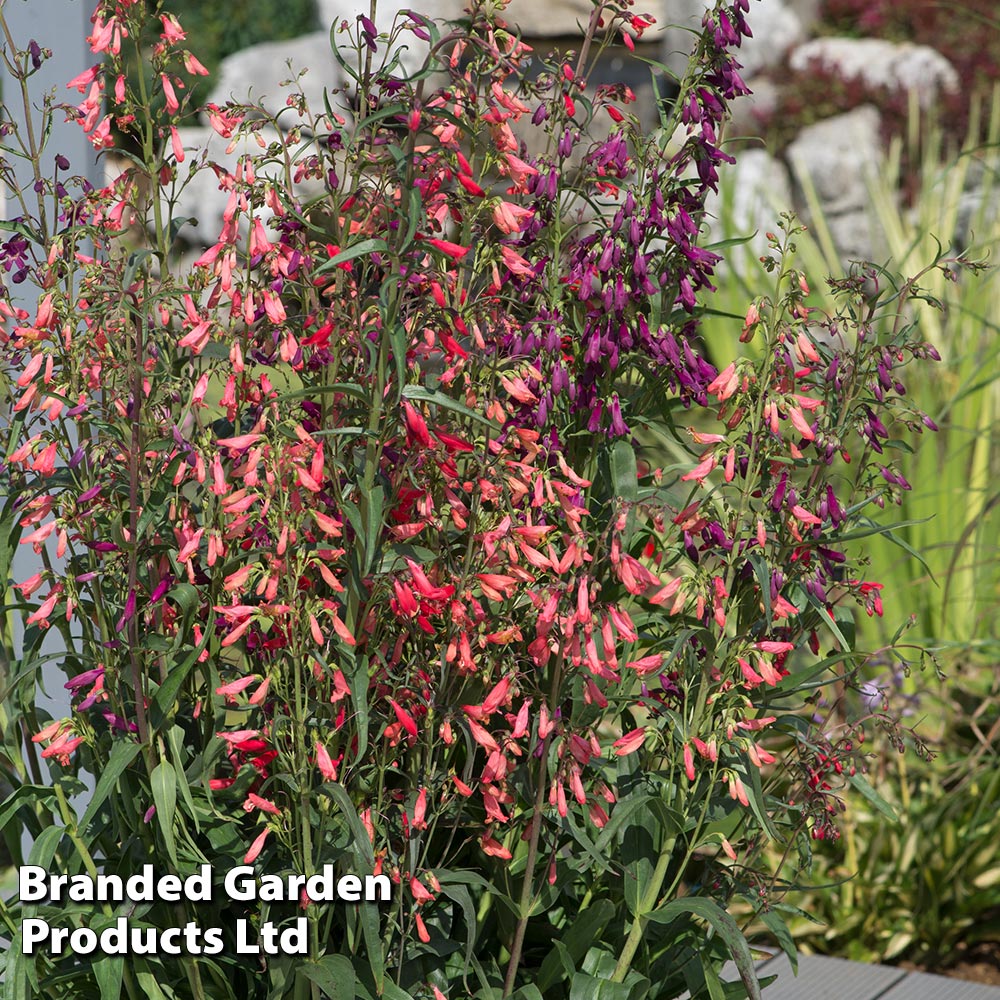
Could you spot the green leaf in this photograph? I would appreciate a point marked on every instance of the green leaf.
(25, 795)
(16, 973)
(355, 250)
(624, 474)
(585, 931)
(858, 782)
(829, 622)
(755, 793)
(347, 388)
(461, 895)
(889, 531)
(557, 966)
(711, 977)
(166, 693)
(121, 756)
(43, 850)
(362, 845)
(413, 217)
(333, 974)
(188, 598)
(584, 987)
(151, 990)
(434, 396)
(373, 513)
(638, 851)
(391, 991)
(724, 925)
(358, 680)
(773, 921)
(763, 575)
(163, 782)
(528, 992)
(176, 225)
(175, 738)
(132, 265)
(108, 972)
(365, 865)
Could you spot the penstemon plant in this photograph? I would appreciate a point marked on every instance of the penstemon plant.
(408, 534)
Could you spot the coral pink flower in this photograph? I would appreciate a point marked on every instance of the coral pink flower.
(326, 766)
(630, 742)
(256, 847)
(172, 31)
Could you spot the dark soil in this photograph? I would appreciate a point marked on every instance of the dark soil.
(979, 965)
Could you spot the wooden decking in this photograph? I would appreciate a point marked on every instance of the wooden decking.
(837, 979)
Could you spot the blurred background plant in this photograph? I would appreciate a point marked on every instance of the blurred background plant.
(926, 889)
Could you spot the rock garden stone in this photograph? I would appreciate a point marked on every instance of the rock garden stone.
(901, 66)
(836, 157)
(257, 73)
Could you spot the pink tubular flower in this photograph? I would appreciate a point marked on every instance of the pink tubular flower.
(256, 847)
(724, 384)
(453, 250)
(516, 263)
(800, 423)
(702, 470)
(85, 79)
(419, 821)
(326, 766)
(107, 35)
(519, 171)
(494, 848)
(689, 762)
(233, 688)
(41, 614)
(172, 31)
(510, 218)
(193, 66)
(405, 719)
(416, 426)
(420, 892)
(168, 93)
(630, 742)
(264, 805)
(176, 145)
(101, 137)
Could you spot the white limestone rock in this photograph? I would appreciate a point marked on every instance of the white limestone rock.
(753, 192)
(902, 66)
(776, 28)
(335, 12)
(257, 74)
(836, 156)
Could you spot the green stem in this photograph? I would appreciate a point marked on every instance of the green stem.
(70, 826)
(647, 905)
(528, 886)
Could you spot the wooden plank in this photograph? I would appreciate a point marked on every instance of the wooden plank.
(923, 986)
(822, 978)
